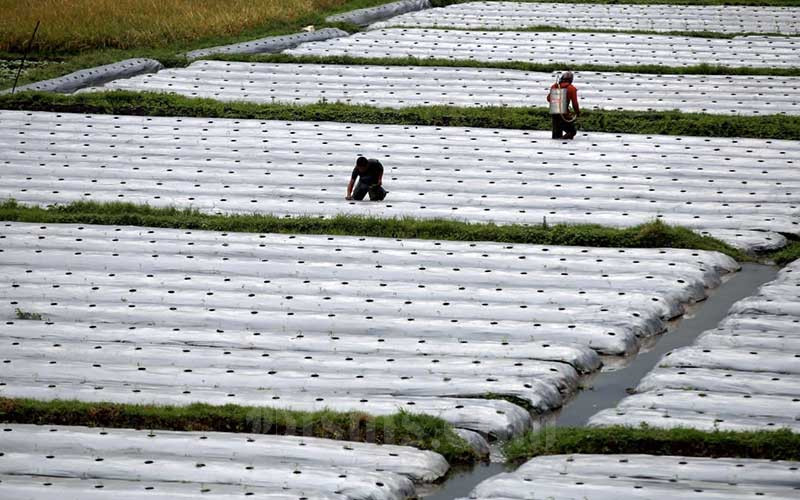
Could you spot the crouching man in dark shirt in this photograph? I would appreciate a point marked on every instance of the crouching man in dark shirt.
(369, 174)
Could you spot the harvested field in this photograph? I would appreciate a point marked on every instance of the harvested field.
(70, 26)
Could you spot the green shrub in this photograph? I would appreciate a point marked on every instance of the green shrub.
(421, 431)
(773, 445)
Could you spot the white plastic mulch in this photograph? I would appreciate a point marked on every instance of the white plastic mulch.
(611, 477)
(310, 322)
(743, 375)
(618, 17)
(407, 86)
(47, 461)
(744, 191)
(608, 49)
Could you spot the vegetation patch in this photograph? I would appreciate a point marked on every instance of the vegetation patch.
(772, 445)
(70, 27)
(619, 122)
(27, 315)
(651, 235)
(80, 34)
(406, 429)
(788, 254)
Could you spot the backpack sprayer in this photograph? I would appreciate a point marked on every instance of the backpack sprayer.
(559, 103)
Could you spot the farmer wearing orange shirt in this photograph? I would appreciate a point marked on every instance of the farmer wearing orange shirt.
(563, 119)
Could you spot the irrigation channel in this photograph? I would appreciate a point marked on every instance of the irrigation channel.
(606, 389)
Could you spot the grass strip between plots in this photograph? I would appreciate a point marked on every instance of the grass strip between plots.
(787, 254)
(773, 445)
(654, 69)
(421, 431)
(651, 235)
(619, 122)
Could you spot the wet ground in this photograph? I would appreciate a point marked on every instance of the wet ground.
(607, 388)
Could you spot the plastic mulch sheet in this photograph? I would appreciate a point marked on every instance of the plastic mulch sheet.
(405, 86)
(514, 15)
(744, 191)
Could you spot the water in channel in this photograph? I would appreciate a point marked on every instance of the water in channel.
(607, 388)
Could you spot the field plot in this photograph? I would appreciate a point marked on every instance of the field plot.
(744, 375)
(609, 49)
(309, 322)
(40, 461)
(605, 477)
(742, 191)
(404, 86)
(516, 15)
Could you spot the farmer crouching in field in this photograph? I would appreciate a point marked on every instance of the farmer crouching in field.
(369, 174)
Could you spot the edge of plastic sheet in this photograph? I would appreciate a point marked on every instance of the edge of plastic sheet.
(370, 15)
(269, 44)
(97, 75)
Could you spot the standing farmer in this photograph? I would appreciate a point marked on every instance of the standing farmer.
(369, 174)
(561, 95)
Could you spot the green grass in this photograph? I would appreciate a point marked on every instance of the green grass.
(55, 61)
(788, 254)
(421, 431)
(651, 235)
(27, 315)
(159, 104)
(773, 445)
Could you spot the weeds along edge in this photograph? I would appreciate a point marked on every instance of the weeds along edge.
(772, 444)
(651, 235)
(421, 431)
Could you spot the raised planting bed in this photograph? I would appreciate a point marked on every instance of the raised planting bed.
(610, 49)
(294, 321)
(643, 476)
(744, 375)
(742, 191)
(43, 460)
(617, 17)
(408, 86)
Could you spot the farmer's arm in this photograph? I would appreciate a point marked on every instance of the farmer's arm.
(350, 189)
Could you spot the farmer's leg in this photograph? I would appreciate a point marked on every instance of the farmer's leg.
(557, 126)
(360, 191)
(569, 130)
(377, 193)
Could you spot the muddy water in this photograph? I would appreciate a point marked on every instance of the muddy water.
(605, 389)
